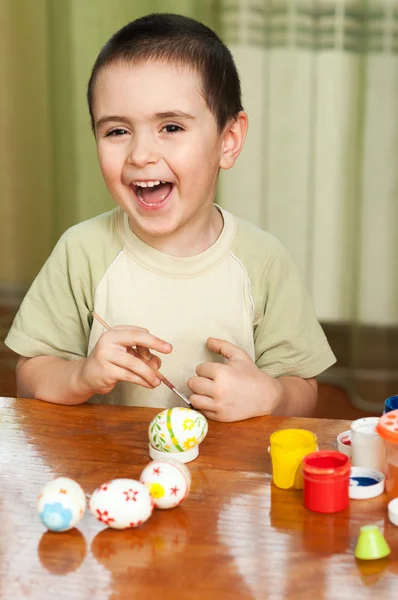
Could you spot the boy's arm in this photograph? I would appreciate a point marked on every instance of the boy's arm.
(51, 379)
(61, 381)
(297, 396)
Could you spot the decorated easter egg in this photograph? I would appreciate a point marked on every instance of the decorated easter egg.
(122, 503)
(61, 504)
(168, 482)
(177, 431)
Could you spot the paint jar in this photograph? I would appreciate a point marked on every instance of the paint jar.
(288, 448)
(344, 442)
(367, 447)
(387, 428)
(326, 481)
(390, 404)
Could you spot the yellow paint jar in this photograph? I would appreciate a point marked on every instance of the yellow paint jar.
(288, 447)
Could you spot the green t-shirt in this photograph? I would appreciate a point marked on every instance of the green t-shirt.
(244, 289)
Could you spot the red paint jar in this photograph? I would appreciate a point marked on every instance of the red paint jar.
(326, 480)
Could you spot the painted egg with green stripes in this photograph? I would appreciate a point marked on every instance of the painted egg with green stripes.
(177, 432)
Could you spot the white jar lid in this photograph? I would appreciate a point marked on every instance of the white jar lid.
(393, 511)
(365, 483)
(366, 425)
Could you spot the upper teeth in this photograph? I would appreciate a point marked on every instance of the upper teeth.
(147, 183)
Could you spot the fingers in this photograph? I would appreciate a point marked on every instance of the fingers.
(211, 415)
(136, 336)
(144, 353)
(210, 370)
(155, 362)
(152, 360)
(121, 374)
(226, 349)
(135, 366)
(206, 406)
(202, 403)
(202, 386)
(127, 349)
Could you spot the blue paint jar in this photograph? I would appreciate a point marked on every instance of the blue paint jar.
(390, 404)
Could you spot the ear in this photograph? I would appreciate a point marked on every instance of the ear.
(233, 139)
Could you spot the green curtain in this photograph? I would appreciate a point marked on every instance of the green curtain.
(320, 83)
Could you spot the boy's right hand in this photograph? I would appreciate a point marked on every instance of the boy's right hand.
(112, 360)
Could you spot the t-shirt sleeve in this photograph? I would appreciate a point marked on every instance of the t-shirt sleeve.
(287, 335)
(288, 339)
(54, 317)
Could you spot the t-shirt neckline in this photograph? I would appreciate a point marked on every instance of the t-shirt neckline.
(174, 266)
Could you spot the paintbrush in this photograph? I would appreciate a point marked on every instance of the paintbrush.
(135, 353)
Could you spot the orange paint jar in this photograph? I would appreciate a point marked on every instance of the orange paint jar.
(387, 428)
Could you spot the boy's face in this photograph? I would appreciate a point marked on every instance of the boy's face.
(152, 125)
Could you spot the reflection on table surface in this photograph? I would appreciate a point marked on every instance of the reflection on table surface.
(235, 536)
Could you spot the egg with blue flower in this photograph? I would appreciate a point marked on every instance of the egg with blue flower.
(61, 504)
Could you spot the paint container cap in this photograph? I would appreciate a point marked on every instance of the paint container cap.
(390, 404)
(387, 427)
(393, 511)
(371, 544)
(365, 483)
(344, 443)
(366, 426)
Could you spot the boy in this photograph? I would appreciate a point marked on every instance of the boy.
(219, 299)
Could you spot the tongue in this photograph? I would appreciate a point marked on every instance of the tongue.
(156, 194)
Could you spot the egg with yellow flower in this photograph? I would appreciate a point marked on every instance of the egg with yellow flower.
(177, 433)
(168, 482)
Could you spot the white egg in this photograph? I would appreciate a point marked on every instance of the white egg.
(168, 482)
(122, 503)
(70, 486)
(61, 504)
(177, 432)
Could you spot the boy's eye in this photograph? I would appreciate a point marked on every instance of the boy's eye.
(172, 128)
(116, 132)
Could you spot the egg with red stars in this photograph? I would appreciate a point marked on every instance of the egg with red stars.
(122, 503)
(168, 482)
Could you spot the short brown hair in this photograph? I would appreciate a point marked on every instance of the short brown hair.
(178, 40)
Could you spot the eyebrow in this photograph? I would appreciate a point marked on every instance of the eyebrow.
(173, 113)
(170, 114)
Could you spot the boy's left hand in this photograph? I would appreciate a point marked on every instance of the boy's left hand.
(234, 391)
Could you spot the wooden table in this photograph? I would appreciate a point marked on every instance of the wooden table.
(235, 537)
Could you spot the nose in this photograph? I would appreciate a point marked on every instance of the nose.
(143, 150)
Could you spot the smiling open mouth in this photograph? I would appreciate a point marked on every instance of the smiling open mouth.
(152, 193)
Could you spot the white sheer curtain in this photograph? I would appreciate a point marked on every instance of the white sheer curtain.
(319, 170)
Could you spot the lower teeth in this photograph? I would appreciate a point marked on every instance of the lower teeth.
(139, 194)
